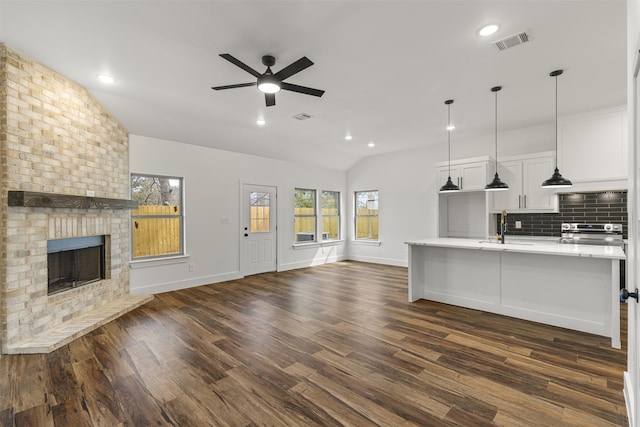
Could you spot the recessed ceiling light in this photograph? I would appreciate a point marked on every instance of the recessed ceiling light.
(488, 30)
(371, 144)
(106, 79)
(261, 122)
(451, 126)
(348, 137)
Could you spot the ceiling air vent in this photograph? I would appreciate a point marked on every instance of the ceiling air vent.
(514, 40)
(302, 116)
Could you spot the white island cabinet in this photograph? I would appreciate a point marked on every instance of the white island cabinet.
(570, 286)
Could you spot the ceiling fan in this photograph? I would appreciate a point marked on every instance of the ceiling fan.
(270, 83)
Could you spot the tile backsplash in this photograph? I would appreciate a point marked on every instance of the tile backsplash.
(600, 207)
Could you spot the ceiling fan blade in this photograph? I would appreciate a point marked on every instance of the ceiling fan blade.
(294, 68)
(301, 89)
(240, 64)
(270, 99)
(233, 86)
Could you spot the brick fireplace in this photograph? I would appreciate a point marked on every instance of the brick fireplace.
(56, 139)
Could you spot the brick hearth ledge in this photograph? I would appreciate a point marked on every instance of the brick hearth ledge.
(58, 336)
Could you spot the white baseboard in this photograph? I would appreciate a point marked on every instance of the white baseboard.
(376, 260)
(629, 399)
(206, 280)
(311, 262)
(184, 284)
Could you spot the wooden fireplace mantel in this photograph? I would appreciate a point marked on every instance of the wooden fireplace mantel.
(32, 199)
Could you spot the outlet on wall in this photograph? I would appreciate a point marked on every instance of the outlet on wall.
(192, 266)
(518, 224)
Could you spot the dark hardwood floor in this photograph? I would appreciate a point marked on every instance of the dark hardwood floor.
(336, 344)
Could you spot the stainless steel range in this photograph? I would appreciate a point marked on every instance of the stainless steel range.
(592, 234)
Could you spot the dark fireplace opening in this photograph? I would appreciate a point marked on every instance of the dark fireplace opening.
(75, 262)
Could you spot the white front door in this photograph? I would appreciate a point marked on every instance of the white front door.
(632, 376)
(259, 230)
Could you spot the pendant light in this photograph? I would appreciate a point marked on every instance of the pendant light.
(449, 186)
(496, 184)
(556, 180)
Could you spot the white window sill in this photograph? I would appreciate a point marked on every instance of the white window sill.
(366, 242)
(154, 262)
(322, 244)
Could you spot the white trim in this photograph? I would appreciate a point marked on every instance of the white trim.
(298, 246)
(312, 262)
(465, 161)
(156, 261)
(629, 398)
(366, 242)
(184, 284)
(376, 260)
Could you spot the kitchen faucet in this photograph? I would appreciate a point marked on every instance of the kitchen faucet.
(503, 226)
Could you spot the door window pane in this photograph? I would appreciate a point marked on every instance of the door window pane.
(260, 205)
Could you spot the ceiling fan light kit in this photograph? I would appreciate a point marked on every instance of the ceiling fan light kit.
(270, 83)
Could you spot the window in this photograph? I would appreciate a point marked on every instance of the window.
(366, 218)
(260, 212)
(330, 215)
(157, 225)
(304, 216)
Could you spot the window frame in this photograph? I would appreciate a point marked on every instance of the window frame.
(338, 215)
(314, 216)
(181, 216)
(356, 216)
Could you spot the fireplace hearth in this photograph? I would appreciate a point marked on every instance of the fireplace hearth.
(75, 262)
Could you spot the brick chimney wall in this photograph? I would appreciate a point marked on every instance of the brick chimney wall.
(55, 138)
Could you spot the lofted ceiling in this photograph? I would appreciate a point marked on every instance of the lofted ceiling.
(386, 66)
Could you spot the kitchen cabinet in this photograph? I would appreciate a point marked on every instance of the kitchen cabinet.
(468, 174)
(592, 149)
(524, 175)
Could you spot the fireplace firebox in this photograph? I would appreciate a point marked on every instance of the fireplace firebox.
(75, 262)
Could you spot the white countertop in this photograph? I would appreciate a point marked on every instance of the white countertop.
(543, 247)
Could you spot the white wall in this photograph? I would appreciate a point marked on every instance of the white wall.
(534, 139)
(212, 181)
(407, 190)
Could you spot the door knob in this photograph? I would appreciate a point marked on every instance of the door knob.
(246, 235)
(625, 294)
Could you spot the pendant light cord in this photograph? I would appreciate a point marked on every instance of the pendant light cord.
(496, 130)
(449, 134)
(556, 121)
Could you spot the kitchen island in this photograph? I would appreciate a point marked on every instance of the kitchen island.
(565, 285)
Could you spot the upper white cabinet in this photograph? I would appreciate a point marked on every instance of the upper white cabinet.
(524, 176)
(592, 149)
(468, 174)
